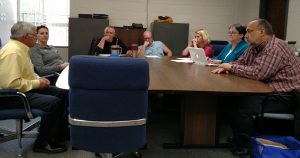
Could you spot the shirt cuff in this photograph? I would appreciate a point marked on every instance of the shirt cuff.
(36, 84)
(233, 68)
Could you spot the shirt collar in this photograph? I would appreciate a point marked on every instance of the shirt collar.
(262, 45)
(22, 45)
(259, 47)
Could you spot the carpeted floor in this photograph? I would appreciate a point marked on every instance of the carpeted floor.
(162, 128)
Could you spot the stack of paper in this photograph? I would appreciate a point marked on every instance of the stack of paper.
(183, 60)
(266, 142)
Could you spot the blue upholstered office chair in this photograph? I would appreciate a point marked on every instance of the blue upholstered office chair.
(108, 103)
(23, 113)
(218, 46)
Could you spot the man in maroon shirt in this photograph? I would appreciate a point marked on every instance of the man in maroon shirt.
(271, 61)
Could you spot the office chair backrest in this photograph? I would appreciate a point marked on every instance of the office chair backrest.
(297, 116)
(218, 46)
(108, 90)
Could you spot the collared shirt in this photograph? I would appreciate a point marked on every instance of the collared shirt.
(16, 69)
(272, 62)
(155, 49)
(45, 59)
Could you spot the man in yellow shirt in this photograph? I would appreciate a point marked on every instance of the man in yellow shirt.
(16, 71)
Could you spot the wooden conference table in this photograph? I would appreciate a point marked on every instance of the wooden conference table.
(199, 89)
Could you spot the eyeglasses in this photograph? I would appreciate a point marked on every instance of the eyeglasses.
(249, 30)
(32, 34)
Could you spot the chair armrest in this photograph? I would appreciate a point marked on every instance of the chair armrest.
(49, 74)
(279, 116)
(26, 104)
(21, 96)
(263, 105)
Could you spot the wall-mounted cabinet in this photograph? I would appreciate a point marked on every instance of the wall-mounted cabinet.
(174, 35)
(130, 35)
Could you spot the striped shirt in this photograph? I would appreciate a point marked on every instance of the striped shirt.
(272, 62)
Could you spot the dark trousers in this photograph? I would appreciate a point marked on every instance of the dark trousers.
(49, 101)
(240, 111)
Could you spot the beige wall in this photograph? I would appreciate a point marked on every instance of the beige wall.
(214, 15)
(63, 51)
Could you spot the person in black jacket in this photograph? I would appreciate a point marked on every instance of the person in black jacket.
(103, 45)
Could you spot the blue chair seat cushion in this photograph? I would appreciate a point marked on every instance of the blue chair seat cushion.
(18, 113)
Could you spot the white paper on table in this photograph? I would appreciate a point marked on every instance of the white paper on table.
(183, 60)
(152, 56)
(104, 55)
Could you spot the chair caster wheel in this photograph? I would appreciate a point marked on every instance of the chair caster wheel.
(137, 154)
(20, 156)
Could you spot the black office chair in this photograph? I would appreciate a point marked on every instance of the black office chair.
(289, 120)
(21, 113)
(93, 45)
(297, 117)
(218, 46)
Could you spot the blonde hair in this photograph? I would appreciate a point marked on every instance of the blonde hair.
(204, 34)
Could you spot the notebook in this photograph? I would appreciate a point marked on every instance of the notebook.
(198, 56)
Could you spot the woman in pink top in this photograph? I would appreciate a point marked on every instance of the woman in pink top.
(201, 40)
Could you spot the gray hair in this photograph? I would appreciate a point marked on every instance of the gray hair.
(109, 27)
(20, 29)
(265, 25)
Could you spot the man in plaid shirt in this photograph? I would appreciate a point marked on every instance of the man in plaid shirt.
(271, 61)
